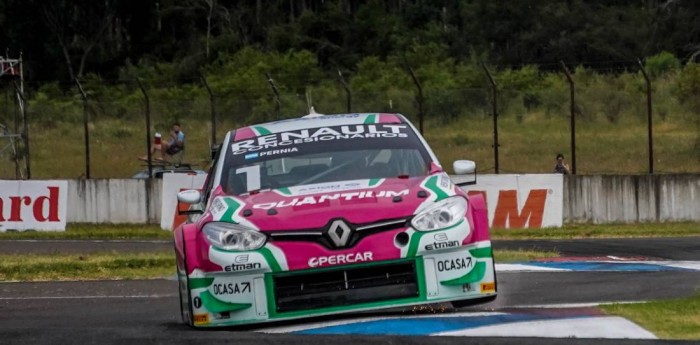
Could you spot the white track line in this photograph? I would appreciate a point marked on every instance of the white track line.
(527, 268)
(569, 305)
(610, 327)
(316, 325)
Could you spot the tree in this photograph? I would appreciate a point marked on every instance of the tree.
(78, 27)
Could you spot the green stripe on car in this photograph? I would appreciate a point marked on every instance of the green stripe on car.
(232, 207)
(484, 252)
(475, 275)
(431, 183)
(270, 258)
(414, 244)
(262, 130)
(215, 306)
(284, 190)
(198, 283)
(370, 119)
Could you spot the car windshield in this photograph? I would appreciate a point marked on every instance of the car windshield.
(321, 155)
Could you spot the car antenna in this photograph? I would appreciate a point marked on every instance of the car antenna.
(312, 113)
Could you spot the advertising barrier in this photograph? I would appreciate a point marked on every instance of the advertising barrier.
(173, 184)
(521, 201)
(33, 205)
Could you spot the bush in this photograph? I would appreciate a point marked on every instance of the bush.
(688, 87)
(661, 64)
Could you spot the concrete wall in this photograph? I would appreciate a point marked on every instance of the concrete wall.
(114, 201)
(631, 198)
(591, 199)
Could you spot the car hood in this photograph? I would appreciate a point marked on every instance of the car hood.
(314, 206)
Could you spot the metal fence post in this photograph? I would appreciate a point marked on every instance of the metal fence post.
(649, 113)
(494, 103)
(348, 94)
(419, 97)
(572, 90)
(86, 131)
(278, 103)
(148, 128)
(25, 128)
(212, 104)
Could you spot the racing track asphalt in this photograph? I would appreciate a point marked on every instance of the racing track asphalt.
(146, 311)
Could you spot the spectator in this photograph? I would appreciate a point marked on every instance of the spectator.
(173, 146)
(561, 167)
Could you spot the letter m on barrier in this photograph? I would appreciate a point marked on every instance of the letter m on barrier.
(507, 214)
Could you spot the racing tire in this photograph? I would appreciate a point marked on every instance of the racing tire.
(186, 310)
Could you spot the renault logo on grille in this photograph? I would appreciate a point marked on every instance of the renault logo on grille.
(339, 233)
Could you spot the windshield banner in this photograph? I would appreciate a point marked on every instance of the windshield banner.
(290, 141)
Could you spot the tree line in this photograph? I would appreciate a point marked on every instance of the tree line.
(67, 39)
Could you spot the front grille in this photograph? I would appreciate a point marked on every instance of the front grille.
(319, 235)
(344, 287)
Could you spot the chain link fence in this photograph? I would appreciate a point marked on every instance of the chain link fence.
(533, 123)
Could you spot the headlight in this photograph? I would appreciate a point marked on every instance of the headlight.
(443, 214)
(233, 236)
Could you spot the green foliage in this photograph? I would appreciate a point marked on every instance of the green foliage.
(662, 63)
(688, 87)
(555, 89)
(601, 231)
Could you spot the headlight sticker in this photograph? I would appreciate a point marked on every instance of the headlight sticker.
(428, 242)
(239, 262)
(444, 239)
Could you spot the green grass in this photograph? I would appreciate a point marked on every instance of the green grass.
(51, 267)
(505, 256)
(678, 229)
(526, 146)
(113, 265)
(671, 319)
(80, 231)
(530, 146)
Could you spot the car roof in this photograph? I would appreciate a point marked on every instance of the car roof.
(314, 121)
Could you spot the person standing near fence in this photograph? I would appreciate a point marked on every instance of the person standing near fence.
(561, 167)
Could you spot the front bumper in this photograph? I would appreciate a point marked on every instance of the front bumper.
(263, 295)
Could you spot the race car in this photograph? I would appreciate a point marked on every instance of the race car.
(329, 214)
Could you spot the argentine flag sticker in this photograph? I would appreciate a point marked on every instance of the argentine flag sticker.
(251, 155)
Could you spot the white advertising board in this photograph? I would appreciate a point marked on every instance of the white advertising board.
(33, 205)
(521, 201)
(173, 183)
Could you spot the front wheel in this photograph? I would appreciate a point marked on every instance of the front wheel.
(183, 283)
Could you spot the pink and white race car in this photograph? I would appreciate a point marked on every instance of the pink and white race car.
(329, 214)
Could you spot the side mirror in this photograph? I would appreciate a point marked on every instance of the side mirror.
(190, 196)
(465, 167)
